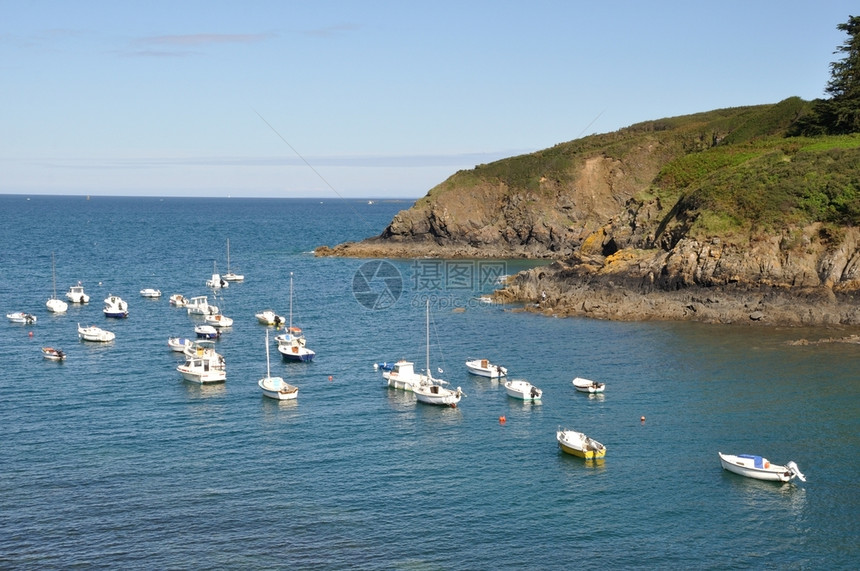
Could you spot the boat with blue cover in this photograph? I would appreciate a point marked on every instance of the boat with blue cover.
(760, 468)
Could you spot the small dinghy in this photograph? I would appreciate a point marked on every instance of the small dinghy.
(53, 354)
(588, 386)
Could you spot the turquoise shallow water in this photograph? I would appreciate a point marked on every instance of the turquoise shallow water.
(110, 459)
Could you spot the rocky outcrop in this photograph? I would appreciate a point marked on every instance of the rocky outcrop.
(619, 252)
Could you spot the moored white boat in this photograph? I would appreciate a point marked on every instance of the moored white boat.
(199, 305)
(216, 282)
(760, 468)
(55, 304)
(435, 391)
(578, 444)
(402, 375)
(178, 300)
(588, 386)
(438, 394)
(76, 294)
(150, 292)
(115, 306)
(292, 344)
(206, 332)
(275, 387)
(523, 390)
(205, 348)
(231, 276)
(269, 317)
(21, 317)
(205, 369)
(96, 334)
(179, 344)
(484, 368)
(53, 354)
(218, 320)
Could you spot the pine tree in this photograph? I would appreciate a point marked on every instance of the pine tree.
(844, 84)
(841, 113)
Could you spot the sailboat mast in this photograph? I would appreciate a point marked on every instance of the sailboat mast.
(290, 330)
(228, 255)
(427, 327)
(54, 274)
(268, 372)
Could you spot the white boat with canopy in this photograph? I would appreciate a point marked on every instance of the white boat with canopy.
(200, 306)
(76, 294)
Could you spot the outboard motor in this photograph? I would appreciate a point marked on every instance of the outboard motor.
(795, 471)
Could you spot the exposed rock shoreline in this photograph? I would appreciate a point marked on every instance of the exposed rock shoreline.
(565, 290)
(623, 247)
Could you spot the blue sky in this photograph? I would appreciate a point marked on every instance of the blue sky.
(367, 98)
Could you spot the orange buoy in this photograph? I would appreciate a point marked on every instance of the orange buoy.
(502, 420)
(31, 333)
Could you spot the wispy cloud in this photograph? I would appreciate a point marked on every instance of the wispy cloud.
(187, 40)
(330, 31)
(185, 45)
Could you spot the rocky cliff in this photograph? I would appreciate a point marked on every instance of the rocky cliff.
(644, 223)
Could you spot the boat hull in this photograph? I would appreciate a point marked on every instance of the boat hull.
(53, 354)
(276, 388)
(20, 317)
(214, 376)
(588, 386)
(746, 467)
(483, 368)
(57, 305)
(179, 344)
(218, 320)
(437, 395)
(95, 335)
(523, 391)
(298, 354)
(577, 444)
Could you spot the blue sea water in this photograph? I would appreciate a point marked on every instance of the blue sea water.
(110, 459)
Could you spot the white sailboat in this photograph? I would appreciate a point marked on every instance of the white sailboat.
(291, 344)
(435, 392)
(230, 276)
(56, 304)
(275, 387)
